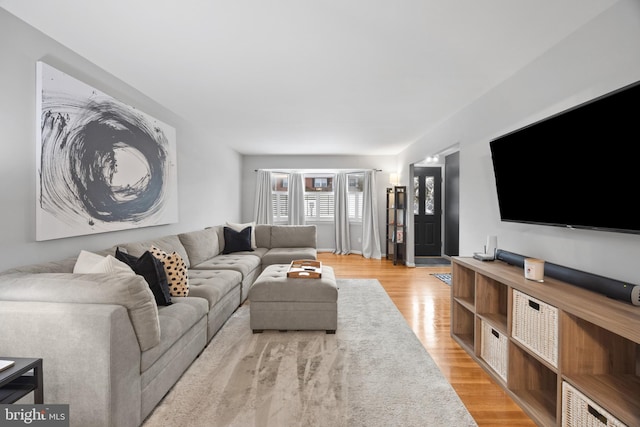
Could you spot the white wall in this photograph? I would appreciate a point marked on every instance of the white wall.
(208, 172)
(600, 57)
(326, 232)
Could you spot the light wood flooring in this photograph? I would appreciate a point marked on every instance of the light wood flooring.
(424, 301)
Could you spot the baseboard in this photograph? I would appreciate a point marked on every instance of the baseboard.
(333, 250)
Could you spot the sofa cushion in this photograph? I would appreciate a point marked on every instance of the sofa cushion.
(263, 236)
(176, 271)
(212, 285)
(175, 321)
(153, 272)
(286, 255)
(274, 286)
(293, 236)
(200, 245)
(243, 262)
(259, 252)
(237, 241)
(128, 290)
(168, 244)
(240, 227)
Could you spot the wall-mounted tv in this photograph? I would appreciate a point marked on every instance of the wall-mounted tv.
(576, 169)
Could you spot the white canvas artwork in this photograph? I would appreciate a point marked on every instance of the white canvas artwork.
(101, 165)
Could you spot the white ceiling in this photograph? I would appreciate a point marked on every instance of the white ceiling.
(305, 76)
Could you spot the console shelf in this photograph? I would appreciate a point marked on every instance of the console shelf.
(560, 334)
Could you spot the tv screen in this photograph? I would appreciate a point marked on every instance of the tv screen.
(575, 169)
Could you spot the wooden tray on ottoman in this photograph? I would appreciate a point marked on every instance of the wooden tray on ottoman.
(305, 269)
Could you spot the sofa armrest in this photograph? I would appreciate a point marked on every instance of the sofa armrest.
(128, 290)
(91, 357)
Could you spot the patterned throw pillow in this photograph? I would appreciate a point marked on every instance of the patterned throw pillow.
(176, 270)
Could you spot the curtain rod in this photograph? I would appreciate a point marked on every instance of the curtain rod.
(360, 170)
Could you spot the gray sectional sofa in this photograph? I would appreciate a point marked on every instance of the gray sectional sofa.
(108, 349)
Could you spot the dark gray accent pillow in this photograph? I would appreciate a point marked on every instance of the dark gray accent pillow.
(153, 272)
(237, 241)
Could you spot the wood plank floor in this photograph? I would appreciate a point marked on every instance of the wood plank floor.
(424, 301)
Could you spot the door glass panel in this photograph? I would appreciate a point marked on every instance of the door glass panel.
(416, 195)
(428, 195)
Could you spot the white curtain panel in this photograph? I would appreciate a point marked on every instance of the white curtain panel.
(370, 234)
(341, 215)
(296, 198)
(263, 212)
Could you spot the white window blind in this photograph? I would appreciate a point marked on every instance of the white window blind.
(279, 197)
(318, 197)
(280, 207)
(318, 206)
(355, 206)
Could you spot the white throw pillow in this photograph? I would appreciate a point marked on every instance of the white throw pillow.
(240, 227)
(85, 262)
(90, 263)
(111, 265)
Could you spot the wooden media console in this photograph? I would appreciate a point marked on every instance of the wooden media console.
(561, 352)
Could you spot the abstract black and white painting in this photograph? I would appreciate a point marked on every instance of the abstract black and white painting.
(101, 165)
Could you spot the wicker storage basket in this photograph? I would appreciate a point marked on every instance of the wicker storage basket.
(535, 325)
(579, 411)
(494, 349)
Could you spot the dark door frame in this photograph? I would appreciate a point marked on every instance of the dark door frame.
(428, 226)
(450, 205)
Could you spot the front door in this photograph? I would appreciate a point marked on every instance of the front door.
(427, 211)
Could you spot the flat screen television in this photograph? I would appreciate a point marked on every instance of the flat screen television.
(575, 169)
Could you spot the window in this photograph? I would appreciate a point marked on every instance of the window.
(320, 183)
(355, 195)
(429, 184)
(279, 196)
(319, 204)
(318, 197)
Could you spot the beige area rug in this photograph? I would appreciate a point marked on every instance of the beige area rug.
(373, 372)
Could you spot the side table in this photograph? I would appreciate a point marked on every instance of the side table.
(14, 384)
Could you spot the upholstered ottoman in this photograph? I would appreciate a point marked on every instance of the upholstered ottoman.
(279, 302)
